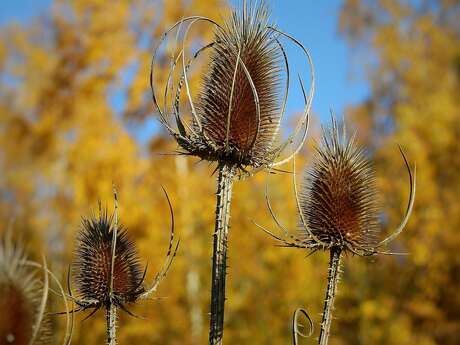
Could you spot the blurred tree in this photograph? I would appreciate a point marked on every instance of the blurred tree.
(409, 51)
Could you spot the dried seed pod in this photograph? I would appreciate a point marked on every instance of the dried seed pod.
(237, 113)
(93, 260)
(245, 63)
(338, 200)
(20, 300)
(338, 203)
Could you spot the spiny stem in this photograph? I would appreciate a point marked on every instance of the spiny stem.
(219, 256)
(333, 279)
(111, 320)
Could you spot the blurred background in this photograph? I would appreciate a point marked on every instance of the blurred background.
(76, 115)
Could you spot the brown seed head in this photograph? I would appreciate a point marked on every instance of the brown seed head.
(237, 112)
(92, 265)
(239, 103)
(20, 296)
(339, 199)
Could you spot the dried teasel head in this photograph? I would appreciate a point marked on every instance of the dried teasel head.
(22, 297)
(103, 279)
(238, 110)
(92, 267)
(338, 201)
(337, 204)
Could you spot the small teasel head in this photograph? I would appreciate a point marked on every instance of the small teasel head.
(103, 279)
(237, 112)
(338, 202)
(22, 319)
(338, 199)
(92, 267)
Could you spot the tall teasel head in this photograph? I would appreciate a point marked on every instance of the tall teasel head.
(338, 202)
(103, 279)
(22, 293)
(238, 110)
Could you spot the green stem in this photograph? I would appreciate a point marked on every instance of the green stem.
(111, 320)
(219, 256)
(333, 279)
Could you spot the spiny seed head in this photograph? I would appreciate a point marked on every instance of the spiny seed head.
(339, 199)
(226, 104)
(93, 260)
(20, 297)
(237, 112)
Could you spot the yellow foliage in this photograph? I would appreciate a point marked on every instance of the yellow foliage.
(64, 140)
(414, 102)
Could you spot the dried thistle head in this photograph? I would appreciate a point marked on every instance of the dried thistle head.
(21, 319)
(241, 130)
(338, 203)
(237, 113)
(93, 263)
(96, 285)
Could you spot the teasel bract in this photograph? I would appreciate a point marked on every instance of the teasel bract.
(23, 297)
(236, 116)
(107, 270)
(338, 208)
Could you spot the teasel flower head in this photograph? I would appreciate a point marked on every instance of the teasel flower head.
(22, 299)
(236, 115)
(338, 202)
(93, 260)
(103, 279)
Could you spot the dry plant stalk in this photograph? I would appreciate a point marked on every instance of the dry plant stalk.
(236, 115)
(107, 269)
(338, 209)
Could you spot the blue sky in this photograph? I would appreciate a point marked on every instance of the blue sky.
(312, 22)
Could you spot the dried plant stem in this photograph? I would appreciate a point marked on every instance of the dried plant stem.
(111, 319)
(333, 279)
(219, 257)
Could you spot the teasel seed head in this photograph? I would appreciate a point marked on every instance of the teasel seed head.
(338, 200)
(338, 203)
(241, 131)
(93, 260)
(21, 292)
(237, 113)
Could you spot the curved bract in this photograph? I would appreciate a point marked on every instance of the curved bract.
(237, 113)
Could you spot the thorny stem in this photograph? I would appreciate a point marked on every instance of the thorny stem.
(111, 319)
(219, 256)
(333, 279)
